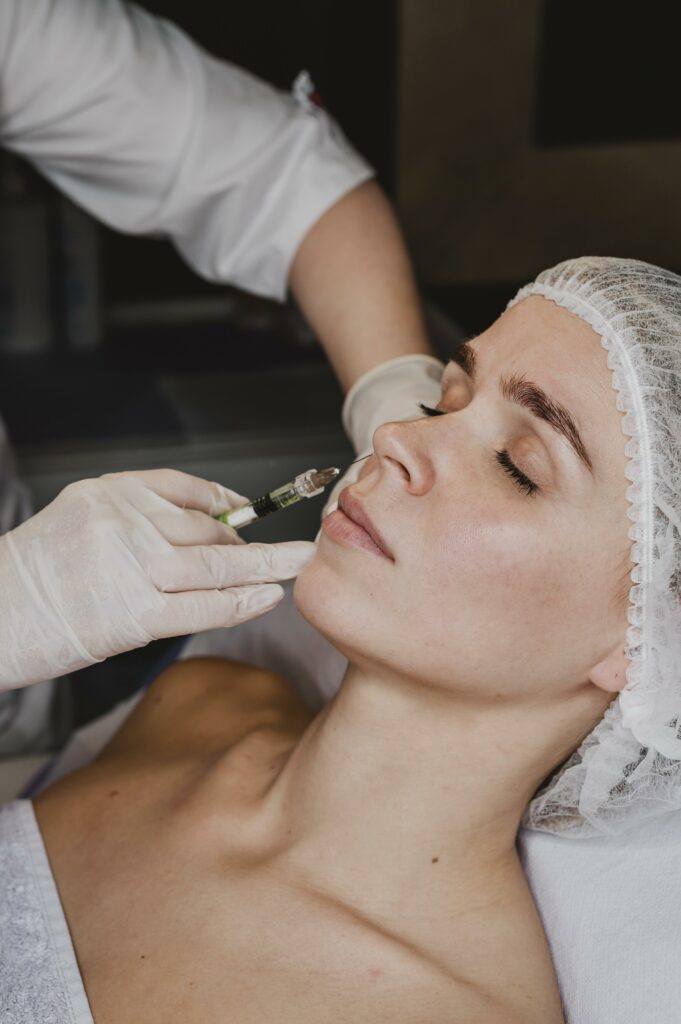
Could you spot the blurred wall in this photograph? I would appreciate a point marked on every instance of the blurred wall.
(484, 194)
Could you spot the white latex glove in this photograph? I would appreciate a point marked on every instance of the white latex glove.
(115, 562)
(389, 392)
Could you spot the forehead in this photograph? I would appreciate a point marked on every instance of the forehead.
(560, 341)
(563, 355)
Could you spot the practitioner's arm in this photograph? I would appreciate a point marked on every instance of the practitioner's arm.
(353, 280)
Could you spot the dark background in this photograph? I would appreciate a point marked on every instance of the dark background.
(608, 73)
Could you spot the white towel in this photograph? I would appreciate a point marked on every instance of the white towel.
(39, 978)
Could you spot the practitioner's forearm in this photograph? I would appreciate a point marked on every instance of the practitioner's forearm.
(353, 280)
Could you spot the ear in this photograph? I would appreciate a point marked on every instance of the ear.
(610, 674)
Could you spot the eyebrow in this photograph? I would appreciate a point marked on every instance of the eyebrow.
(523, 392)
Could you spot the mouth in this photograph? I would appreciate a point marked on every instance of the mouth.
(351, 524)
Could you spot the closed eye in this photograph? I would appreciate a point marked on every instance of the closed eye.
(429, 411)
(524, 482)
(503, 458)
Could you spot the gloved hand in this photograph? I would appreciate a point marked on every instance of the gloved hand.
(391, 391)
(115, 562)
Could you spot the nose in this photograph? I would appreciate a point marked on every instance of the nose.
(401, 449)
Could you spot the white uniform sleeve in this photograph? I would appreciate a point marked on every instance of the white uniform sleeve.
(150, 134)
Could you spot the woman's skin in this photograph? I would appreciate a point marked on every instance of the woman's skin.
(227, 858)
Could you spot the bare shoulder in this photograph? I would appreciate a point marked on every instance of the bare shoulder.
(194, 714)
(203, 705)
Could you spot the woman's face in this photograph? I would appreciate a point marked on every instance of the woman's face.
(487, 588)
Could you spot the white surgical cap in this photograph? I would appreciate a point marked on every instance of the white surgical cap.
(629, 767)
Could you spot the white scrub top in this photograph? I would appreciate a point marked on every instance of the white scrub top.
(130, 118)
(151, 135)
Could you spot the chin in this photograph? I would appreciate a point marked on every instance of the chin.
(312, 593)
(326, 599)
(338, 601)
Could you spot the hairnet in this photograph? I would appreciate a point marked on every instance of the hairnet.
(629, 767)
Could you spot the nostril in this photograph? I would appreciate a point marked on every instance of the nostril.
(401, 468)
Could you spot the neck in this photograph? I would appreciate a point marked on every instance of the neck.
(397, 794)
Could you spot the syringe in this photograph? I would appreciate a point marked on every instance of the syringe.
(305, 485)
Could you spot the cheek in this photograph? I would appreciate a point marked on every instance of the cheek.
(492, 556)
(520, 586)
(498, 583)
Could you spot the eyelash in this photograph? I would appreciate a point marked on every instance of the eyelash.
(503, 458)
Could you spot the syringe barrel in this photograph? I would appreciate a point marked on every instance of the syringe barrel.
(279, 498)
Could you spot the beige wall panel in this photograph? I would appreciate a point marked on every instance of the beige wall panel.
(479, 201)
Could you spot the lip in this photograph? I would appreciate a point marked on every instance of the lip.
(351, 506)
